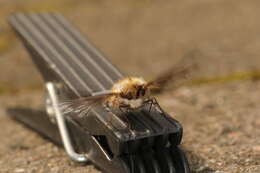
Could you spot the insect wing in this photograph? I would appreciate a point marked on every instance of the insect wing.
(177, 73)
(83, 105)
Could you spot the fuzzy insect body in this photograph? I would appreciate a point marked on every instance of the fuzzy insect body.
(129, 93)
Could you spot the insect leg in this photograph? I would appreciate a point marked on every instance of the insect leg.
(150, 102)
(125, 114)
(157, 104)
(121, 109)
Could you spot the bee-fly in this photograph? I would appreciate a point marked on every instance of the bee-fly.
(128, 93)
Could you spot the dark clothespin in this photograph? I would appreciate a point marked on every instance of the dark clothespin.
(71, 67)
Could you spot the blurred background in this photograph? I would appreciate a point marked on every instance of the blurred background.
(219, 109)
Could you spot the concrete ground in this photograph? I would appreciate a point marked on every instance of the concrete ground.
(220, 115)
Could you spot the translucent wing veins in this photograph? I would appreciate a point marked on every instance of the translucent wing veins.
(82, 105)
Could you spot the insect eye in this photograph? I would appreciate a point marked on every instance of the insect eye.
(143, 91)
(129, 96)
(138, 93)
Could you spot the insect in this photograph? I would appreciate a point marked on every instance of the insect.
(128, 93)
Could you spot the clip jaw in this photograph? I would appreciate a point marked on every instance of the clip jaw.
(72, 67)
